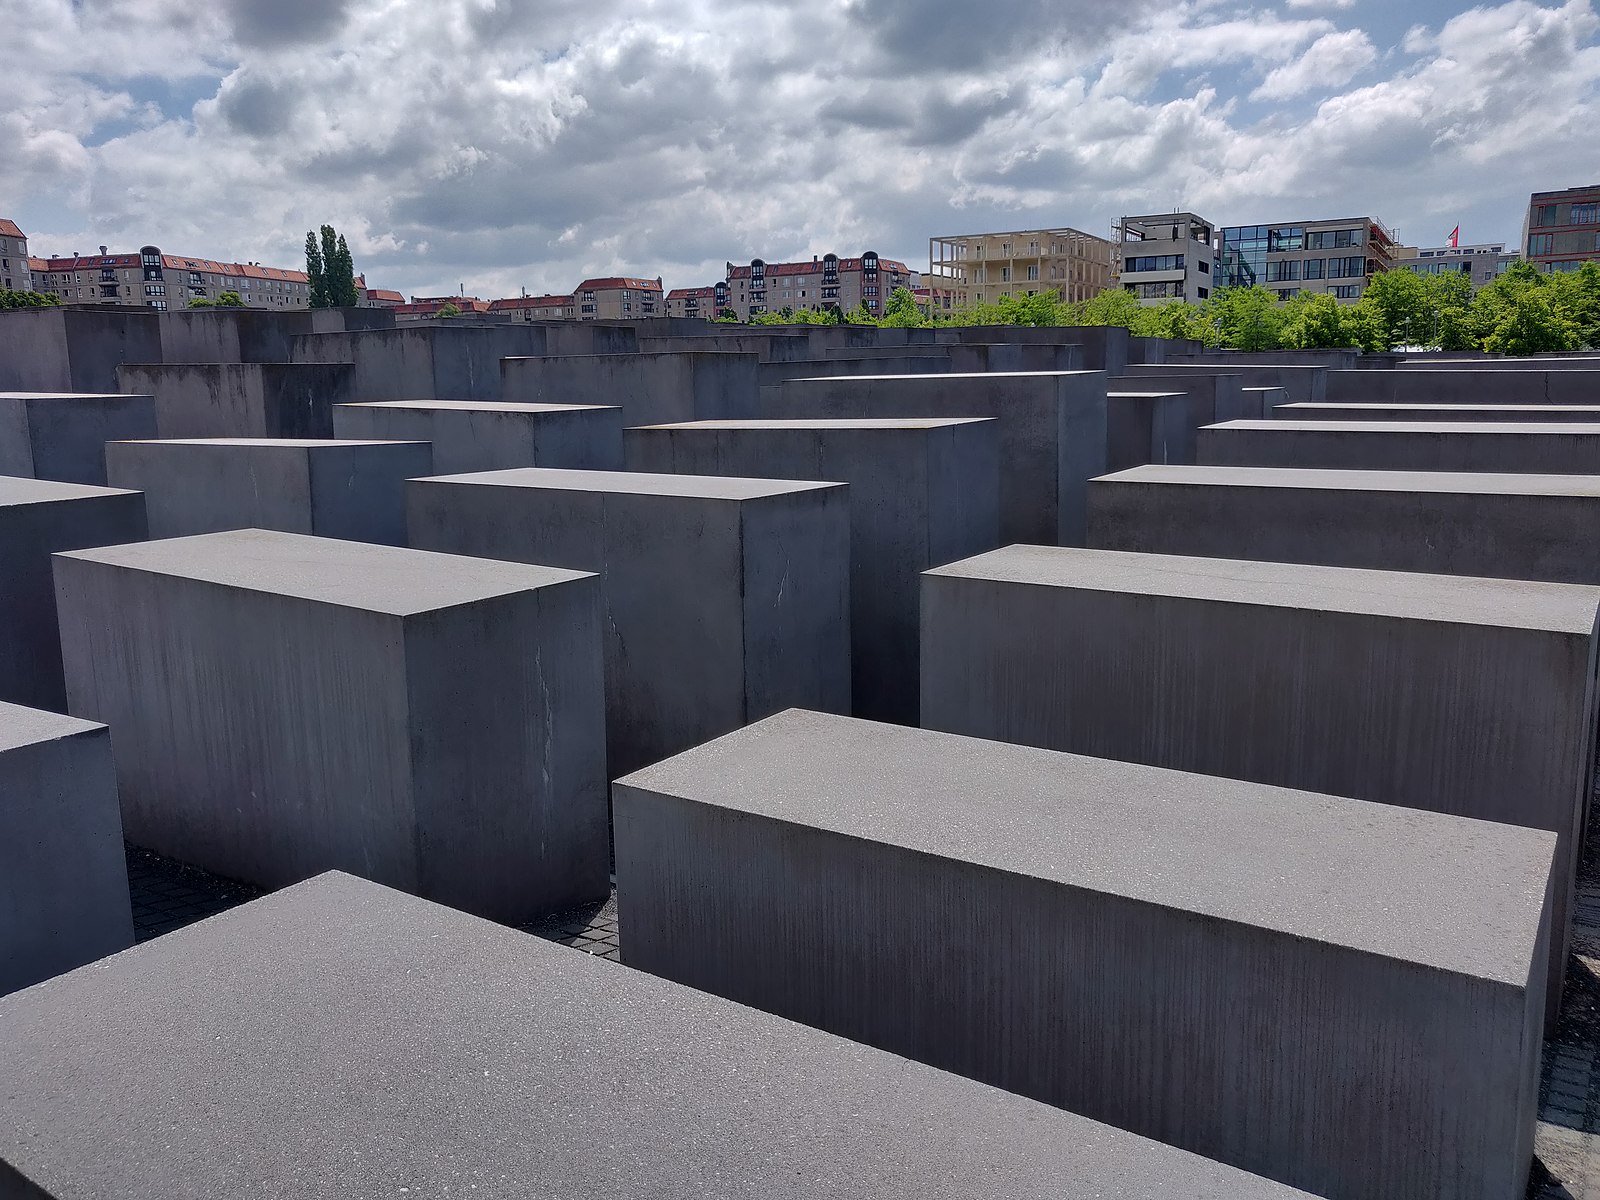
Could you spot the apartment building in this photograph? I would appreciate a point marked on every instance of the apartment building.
(1335, 256)
(535, 308)
(422, 308)
(377, 297)
(1167, 256)
(693, 302)
(1481, 262)
(15, 274)
(161, 281)
(619, 297)
(981, 268)
(1561, 231)
(823, 283)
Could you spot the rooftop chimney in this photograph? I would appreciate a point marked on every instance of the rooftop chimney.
(102, 249)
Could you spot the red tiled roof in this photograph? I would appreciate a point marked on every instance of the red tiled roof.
(38, 264)
(511, 302)
(619, 281)
(8, 228)
(815, 268)
(175, 262)
(385, 295)
(685, 293)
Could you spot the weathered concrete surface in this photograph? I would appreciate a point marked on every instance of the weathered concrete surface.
(1105, 347)
(340, 1039)
(493, 435)
(920, 491)
(73, 349)
(1507, 447)
(349, 489)
(847, 363)
(38, 518)
(767, 347)
(1052, 426)
(276, 400)
(975, 357)
(423, 361)
(62, 435)
(1439, 522)
(725, 600)
(285, 704)
(63, 879)
(1231, 968)
(1466, 696)
(649, 388)
(1579, 414)
(254, 335)
(1307, 383)
(1475, 385)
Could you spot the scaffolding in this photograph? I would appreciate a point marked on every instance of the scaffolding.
(981, 268)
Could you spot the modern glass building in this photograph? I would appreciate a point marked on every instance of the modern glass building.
(1334, 256)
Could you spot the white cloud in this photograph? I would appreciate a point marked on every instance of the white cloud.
(1329, 62)
(1339, 4)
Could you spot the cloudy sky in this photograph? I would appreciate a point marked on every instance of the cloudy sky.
(509, 144)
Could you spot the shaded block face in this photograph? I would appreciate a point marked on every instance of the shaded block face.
(1465, 696)
(1300, 383)
(920, 490)
(422, 363)
(285, 704)
(352, 490)
(527, 1069)
(1439, 522)
(1483, 383)
(1235, 969)
(63, 879)
(221, 399)
(1051, 426)
(73, 349)
(725, 600)
(483, 435)
(62, 436)
(649, 388)
(38, 518)
(1549, 448)
(1579, 414)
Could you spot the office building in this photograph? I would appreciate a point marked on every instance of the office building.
(823, 283)
(1561, 231)
(1481, 262)
(983, 268)
(1336, 256)
(1167, 256)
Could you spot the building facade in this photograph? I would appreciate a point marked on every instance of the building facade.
(1167, 256)
(1481, 262)
(15, 273)
(536, 308)
(619, 298)
(1290, 257)
(982, 268)
(693, 302)
(826, 282)
(1561, 231)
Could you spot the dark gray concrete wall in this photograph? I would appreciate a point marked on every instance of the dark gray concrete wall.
(1431, 413)
(844, 363)
(73, 349)
(1442, 385)
(920, 491)
(1465, 696)
(726, 600)
(649, 388)
(63, 879)
(423, 361)
(768, 347)
(38, 518)
(1308, 383)
(1105, 347)
(485, 435)
(62, 436)
(284, 704)
(1229, 967)
(1534, 448)
(258, 400)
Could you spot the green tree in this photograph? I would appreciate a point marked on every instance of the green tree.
(1114, 306)
(1402, 305)
(331, 270)
(1531, 324)
(316, 272)
(25, 299)
(1245, 318)
(901, 312)
(1576, 296)
(448, 309)
(202, 302)
(1314, 321)
(859, 315)
(342, 283)
(230, 300)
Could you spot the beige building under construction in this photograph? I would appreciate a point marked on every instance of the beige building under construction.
(981, 268)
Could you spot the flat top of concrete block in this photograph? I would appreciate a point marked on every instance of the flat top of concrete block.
(933, 352)
(1409, 595)
(1448, 892)
(16, 490)
(707, 487)
(1311, 408)
(266, 443)
(825, 423)
(636, 355)
(383, 579)
(70, 395)
(1121, 394)
(512, 406)
(1453, 428)
(1222, 368)
(21, 726)
(1478, 483)
(337, 1038)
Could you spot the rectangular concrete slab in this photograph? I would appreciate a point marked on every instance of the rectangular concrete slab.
(337, 489)
(649, 388)
(494, 435)
(726, 600)
(1299, 382)
(423, 360)
(37, 518)
(342, 1039)
(1533, 448)
(65, 349)
(284, 704)
(1480, 383)
(1229, 967)
(919, 491)
(1457, 695)
(1052, 428)
(233, 399)
(1439, 522)
(1583, 414)
(62, 435)
(63, 879)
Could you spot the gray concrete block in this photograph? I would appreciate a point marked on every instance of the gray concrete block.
(494, 435)
(283, 705)
(1439, 522)
(423, 360)
(38, 518)
(1457, 695)
(1052, 426)
(217, 399)
(726, 600)
(62, 435)
(63, 879)
(1152, 426)
(847, 362)
(1580, 414)
(1478, 384)
(1515, 448)
(353, 490)
(920, 490)
(1308, 383)
(767, 347)
(341, 1039)
(73, 349)
(649, 388)
(1104, 347)
(1232, 968)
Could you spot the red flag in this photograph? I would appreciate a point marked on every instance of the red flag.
(1455, 238)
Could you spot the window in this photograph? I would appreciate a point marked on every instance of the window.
(1544, 214)
(1347, 268)
(1156, 262)
(1346, 291)
(155, 289)
(1586, 214)
(1281, 270)
(1287, 293)
(1033, 270)
(1202, 292)
(1005, 274)
(1311, 268)
(1288, 237)
(1541, 243)
(1205, 267)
